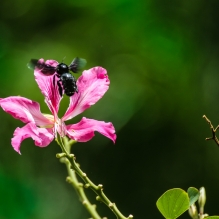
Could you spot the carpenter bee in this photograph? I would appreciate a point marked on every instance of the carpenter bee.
(67, 81)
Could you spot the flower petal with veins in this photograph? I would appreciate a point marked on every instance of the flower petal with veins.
(92, 85)
(84, 130)
(41, 136)
(24, 109)
(48, 89)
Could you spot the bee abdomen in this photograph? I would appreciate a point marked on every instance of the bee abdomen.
(69, 84)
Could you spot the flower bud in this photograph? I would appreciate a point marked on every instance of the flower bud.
(193, 211)
(202, 200)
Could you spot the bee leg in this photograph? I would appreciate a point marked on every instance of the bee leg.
(54, 80)
(60, 87)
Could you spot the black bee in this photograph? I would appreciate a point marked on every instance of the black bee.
(67, 81)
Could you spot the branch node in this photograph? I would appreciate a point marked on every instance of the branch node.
(111, 205)
(87, 185)
(68, 179)
(60, 155)
(100, 187)
(71, 156)
(98, 198)
(80, 184)
(130, 216)
(84, 202)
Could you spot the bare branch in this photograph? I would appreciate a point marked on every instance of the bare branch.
(213, 130)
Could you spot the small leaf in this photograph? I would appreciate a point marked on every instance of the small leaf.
(173, 203)
(193, 194)
(212, 217)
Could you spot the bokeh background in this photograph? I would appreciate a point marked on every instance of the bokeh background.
(162, 60)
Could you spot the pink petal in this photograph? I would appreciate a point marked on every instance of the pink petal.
(92, 85)
(84, 130)
(41, 136)
(24, 109)
(45, 84)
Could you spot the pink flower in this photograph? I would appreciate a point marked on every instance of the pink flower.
(42, 128)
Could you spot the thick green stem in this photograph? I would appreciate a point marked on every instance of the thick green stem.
(72, 179)
(98, 189)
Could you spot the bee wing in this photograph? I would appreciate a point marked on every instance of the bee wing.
(77, 64)
(44, 68)
(32, 64)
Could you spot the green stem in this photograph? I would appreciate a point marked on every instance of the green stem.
(72, 179)
(98, 189)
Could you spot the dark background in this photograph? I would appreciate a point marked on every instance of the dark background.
(162, 60)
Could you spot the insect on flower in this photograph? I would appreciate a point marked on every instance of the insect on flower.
(67, 81)
(43, 128)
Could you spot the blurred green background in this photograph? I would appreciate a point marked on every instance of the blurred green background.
(162, 60)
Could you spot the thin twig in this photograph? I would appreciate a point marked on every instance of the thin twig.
(213, 130)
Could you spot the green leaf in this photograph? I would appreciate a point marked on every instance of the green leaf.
(212, 217)
(193, 194)
(173, 203)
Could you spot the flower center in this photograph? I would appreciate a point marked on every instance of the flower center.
(51, 119)
(58, 125)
